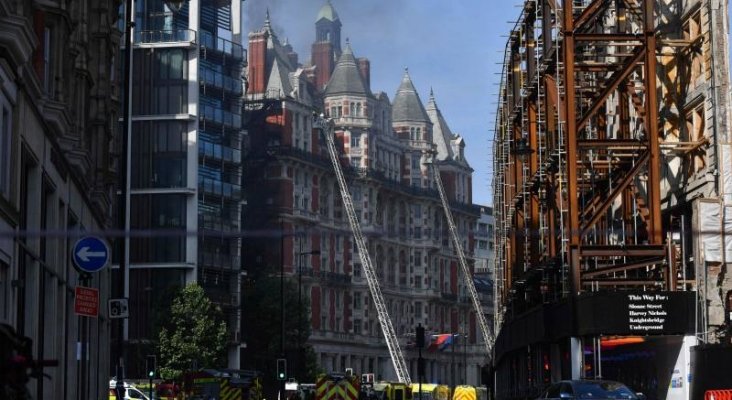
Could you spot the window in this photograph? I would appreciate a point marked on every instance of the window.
(357, 301)
(355, 140)
(159, 154)
(692, 33)
(47, 58)
(696, 160)
(158, 212)
(5, 143)
(356, 162)
(415, 162)
(357, 326)
(417, 258)
(4, 290)
(482, 244)
(418, 134)
(161, 84)
(417, 212)
(359, 111)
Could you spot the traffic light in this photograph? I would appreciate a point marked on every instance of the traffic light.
(150, 366)
(420, 336)
(281, 369)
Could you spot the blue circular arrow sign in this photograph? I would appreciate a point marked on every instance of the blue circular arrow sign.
(91, 254)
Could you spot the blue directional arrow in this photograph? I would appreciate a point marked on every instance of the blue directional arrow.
(91, 254)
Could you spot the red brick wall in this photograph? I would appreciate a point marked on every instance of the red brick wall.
(364, 68)
(323, 60)
(258, 63)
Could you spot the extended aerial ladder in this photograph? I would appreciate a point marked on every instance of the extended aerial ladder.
(482, 323)
(327, 127)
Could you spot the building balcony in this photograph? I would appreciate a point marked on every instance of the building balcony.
(219, 152)
(448, 296)
(301, 155)
(352, 121)
(307, 214)
(165, 38)
(219, 188)
(219, 260)
(333, 278)
(222, 297)
(212, 79)
(221, 117)
(220, 46)
(218, 224)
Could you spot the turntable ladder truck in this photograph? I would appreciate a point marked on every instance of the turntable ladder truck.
(327, 128)
(483, 324)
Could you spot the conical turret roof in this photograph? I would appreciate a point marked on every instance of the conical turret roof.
(407, 105)
(327, 12)
(346, 78)
(441, 133)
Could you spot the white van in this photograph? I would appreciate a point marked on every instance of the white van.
(131, 392)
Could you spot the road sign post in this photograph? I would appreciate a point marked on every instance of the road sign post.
(91, 254)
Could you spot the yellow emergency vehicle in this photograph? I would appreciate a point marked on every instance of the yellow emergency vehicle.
(431, 391)
(337, 387)
(465, 392)
(392, 391)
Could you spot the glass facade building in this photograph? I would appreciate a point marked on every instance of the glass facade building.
(186, 166)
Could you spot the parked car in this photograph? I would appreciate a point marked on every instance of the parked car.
(590, 390)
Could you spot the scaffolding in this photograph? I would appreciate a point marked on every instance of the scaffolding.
(577, 155)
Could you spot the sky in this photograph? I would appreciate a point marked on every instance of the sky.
(454, 47)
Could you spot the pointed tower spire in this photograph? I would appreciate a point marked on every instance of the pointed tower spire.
(407, 106)
(267, 24)
(346, 78)
(441, 133)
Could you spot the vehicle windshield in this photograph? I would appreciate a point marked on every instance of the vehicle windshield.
(602, 390)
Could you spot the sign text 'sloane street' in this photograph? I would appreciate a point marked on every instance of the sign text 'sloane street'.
(647, 313)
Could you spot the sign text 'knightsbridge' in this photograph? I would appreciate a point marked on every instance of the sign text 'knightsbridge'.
(647, 313)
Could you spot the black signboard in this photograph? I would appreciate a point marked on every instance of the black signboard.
(635, 313)
(616, 313)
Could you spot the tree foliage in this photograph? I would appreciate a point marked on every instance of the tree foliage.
(262, 331)
(194, 333)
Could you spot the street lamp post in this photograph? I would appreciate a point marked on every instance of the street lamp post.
(124, 188)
